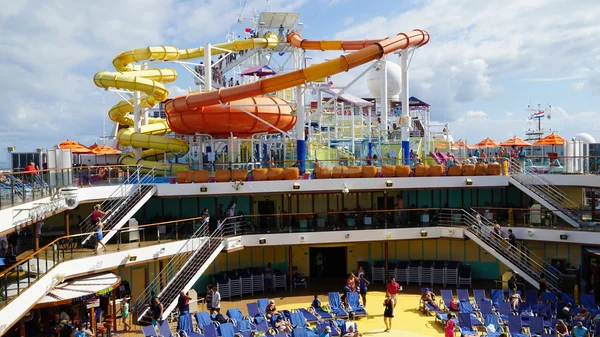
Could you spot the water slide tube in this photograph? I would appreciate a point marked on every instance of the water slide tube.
(185, 108)
(151, 82)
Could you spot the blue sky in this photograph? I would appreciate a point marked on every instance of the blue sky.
(483, 65)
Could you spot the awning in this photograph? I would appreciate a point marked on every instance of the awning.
(346, 97)
(79, 289)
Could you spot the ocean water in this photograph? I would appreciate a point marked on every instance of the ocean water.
(4, 164)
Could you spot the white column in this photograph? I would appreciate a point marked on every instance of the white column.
(335, 118)
(144, 110)
(369, 123)
(300, 121)
(207, 68)
(137, 116)
(384, 98)
(353, 135)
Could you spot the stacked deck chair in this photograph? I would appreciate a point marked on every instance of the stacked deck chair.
(492, 325)
(309, 314)
(451, 273)
(425, 307)
(258, 280)
(223, 285)
(588, 302)
(464, 275)
(515, 328)
(439, 272)
(354, 303)
(164, 330)
(379, 271)
(335, 303)
(497, 296)
(392, 270)
(235, 284)
(402, 272)
(246, 276)
(464, 325)
(479, 295)
(414, 272)
(427, 273)
(298, 322)
(185, 326)
(279, 279)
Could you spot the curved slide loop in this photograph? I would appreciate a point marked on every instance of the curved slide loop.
(151, 82)
(366, 51)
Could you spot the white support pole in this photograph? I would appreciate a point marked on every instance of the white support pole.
(335, 118)
(300, 121)
(370, 130)
(384, 98)
(207, 68)
(405, 109)
(144, 111)
(353, 135)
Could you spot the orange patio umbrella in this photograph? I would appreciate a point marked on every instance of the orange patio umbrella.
(76, 147)
(444, 146)
(461, 144)
(515, 141)
(552, 139)
(103, 149)
(488, 142)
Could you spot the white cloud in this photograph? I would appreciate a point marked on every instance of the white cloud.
(476, 114)
(578, 86)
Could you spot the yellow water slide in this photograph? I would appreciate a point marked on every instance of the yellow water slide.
(151, 82)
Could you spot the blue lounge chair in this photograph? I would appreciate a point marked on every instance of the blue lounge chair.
(354, 303)
(324, 315)
(462, 294)
(485, 308)
(492, 325)
(504, 310)
(300, 332)
(588, 302)
(335, 303)
(309, 316)
(299, 323)
(263, 327)
(149, 331)
(209, 330)
(202, 319)
(321, 327)
(262, 305)
(447, 297)
(185, 325)
(244, 327)
(464, 325)
(427, 307)
(536, 325)
(253, 311)
(164, 329)
(515, 327)
(548, 296)
(568, 298)
(479, 295)
(531, 298)
(497, 296)
(467, 308)
(235, 314)
(226, 330)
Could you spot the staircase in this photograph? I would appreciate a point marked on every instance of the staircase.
(548, 195)
(518, 258)
(239, 60)
(187, 265)
(123, 203)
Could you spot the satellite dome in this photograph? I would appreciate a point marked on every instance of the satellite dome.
(586, 138)
(394, 81)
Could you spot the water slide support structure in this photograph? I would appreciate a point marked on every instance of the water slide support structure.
(300, 121)
(405, 109)
(384, 99)
(370, 130)
(207, 68)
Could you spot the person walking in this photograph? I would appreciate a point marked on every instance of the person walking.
(157, 311)
(99, 236)
(125, 314)
(392, 288)
(449, 328)
(388, 312)
(216, 302)
(363, 284)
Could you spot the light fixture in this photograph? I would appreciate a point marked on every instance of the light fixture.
(450, 231)
(11, 149)
(530, 232)
(302, 239)
(347, 236)
(262, 241)
(60, 278)
(162, 250)
(70, 194)
(468, 182)
(296, 186)
(203, 189)
(423, 233)
(564, 236)
(388, 235)
(389, 183)
(345, 190)
(132, 258)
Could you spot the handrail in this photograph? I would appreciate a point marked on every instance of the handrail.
(179, 262)
(125, 189)
(523, 248)
(500, 245)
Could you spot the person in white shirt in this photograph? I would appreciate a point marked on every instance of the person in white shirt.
(216, 302)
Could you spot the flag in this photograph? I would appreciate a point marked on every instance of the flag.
(548, 116)
(539, 114)
(249, 31)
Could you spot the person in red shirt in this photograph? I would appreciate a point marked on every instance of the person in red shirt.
(30, 168)
(392, 288)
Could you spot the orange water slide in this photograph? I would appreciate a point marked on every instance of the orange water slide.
(188, 114)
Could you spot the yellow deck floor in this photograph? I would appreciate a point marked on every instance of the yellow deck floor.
(408, 320)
